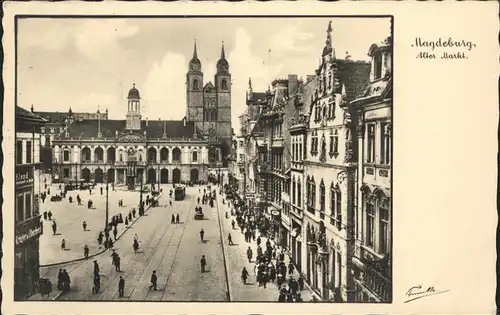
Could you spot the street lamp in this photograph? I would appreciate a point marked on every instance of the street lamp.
(141, 207)
(107, 210)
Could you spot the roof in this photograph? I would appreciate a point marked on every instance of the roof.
(355, 75)
(154, 129)
(134, 93)
(22, 113)
(53, 117)
(378, 89)
(259, 98)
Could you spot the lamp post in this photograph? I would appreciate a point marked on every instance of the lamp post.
(141, 207)
(107, 210)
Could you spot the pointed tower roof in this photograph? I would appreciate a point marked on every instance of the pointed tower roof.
(222, 64)
(195, 63)
(328, 43)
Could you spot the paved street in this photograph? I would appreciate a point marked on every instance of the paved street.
(69, 218)
(173, 250)
(237, 259)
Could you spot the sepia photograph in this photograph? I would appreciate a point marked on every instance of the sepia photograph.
(203, 159)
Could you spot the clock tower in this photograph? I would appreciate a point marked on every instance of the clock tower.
(194, 88)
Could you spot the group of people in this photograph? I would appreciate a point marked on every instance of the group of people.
(270, 263)
(63, 280)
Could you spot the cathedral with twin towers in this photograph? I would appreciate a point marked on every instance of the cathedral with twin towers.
(127, 151)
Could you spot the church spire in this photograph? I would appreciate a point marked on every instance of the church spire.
(195, 53)
(222, 53)
(222, 64)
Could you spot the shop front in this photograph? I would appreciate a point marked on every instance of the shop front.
(27, 259)
(296, 244)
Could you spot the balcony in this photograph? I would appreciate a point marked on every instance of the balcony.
(316, 240)
(374, 279)
(277, 142)
(120, 163)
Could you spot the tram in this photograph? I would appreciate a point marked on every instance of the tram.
(180, 192)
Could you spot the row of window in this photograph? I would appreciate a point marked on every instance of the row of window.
(277, 161)
(24, 206)
(197, 86)
(377, 222)
(210, 114)
(24, 152)
(324, 111)
(297, 148)
(383, 145)
(277, 130)
(99, 156)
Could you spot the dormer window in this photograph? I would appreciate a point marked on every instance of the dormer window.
(377, 66)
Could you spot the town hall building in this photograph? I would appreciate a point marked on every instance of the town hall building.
(155, 151)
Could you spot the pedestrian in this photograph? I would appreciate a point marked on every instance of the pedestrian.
(84, 224)
(133, 213)
(249, 254)
(230, 239)
(301, 283)
(54, 227)
(115, 232)
(63, 244)
(173, 219)
(90, 191)
(110, 244)
(96, 268)
(101, 190)
(121, 286)
(203, 263)
(60, 278)
(298, 298)
(154, 278)
(170, 201)
(45, 215)
(126, 220)
(50, 215)
(130, 216)
(135, 246)
(177, 219)
(86, 251)
(290, 268)
(97, 284)
(202, 234)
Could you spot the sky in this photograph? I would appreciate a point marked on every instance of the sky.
(91, 63)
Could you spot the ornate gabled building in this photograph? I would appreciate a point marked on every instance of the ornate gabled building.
(163, 151)
(330, 173)
(372, 114)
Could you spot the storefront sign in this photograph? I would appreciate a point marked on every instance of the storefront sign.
(24, 176)
(32, 229)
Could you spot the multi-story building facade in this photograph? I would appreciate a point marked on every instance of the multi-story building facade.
(236, 169)
(330, 173)
(372, 113)
(28, 226)
(55, 125)
(135, 150)
(299, 104)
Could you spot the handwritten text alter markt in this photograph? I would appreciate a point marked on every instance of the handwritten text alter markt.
(443, 48)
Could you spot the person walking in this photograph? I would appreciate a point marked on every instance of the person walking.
(115, 232)
(86, 251)
(230, 239)
(203, 263)
(54, 226)
(63, 244)
(249, 254)
(121, 287)
(177, 219)
(202, 234)
(49, 215)
(173, 219)
(84, 225)
(154, 279)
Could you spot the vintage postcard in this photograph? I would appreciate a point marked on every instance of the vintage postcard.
(235, 158)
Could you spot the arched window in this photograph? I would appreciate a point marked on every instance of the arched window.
(224, 84)
(195, 85)
(176, 155)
